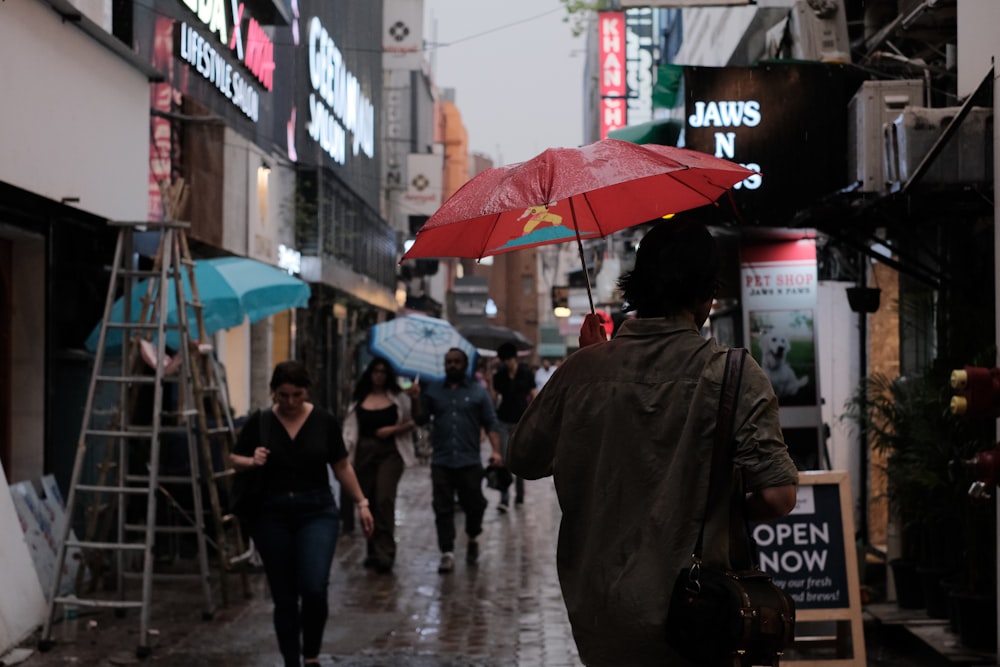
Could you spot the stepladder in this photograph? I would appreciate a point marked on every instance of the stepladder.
(153, 444)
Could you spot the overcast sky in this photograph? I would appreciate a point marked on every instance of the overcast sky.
(517, 71)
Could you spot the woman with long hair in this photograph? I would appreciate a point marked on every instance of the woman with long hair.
(378, 432)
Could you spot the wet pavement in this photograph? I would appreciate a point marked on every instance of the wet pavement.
(506, 611)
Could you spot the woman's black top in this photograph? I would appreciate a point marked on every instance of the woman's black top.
(299, 464)
(370, 421)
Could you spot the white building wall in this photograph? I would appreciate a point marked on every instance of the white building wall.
(75, 117)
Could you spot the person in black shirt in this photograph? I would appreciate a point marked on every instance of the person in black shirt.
(514, 387)
(378, 433)
(295, 527)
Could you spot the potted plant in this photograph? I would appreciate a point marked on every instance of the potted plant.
(907, 419)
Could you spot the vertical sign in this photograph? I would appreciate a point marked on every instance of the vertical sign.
(611, 53)
(424, 178)
(779, 307)
(640, 43)
(402, 34)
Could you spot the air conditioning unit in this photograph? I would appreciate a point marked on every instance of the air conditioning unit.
(873, 107)
(966, 159)
(812, 30)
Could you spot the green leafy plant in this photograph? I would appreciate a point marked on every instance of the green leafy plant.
(907, 419)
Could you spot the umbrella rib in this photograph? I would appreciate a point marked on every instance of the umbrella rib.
(488, 236)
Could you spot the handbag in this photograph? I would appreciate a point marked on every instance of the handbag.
(733, 617)
(248, 485)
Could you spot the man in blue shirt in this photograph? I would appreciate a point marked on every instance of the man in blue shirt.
(459, 408)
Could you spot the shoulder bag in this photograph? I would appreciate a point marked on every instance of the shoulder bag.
(728, 617)
(248, 485)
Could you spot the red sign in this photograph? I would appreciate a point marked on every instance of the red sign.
(611, 51)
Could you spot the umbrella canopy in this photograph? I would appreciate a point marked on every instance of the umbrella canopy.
(491, 336)
(416, 344)
(572, 193)
(230, 289)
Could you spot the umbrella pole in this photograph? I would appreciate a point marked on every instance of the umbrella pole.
(583, 260)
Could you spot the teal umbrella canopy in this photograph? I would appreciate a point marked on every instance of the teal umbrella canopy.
(231, 289)
(416, 344)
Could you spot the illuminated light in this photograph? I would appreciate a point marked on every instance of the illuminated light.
(562, 311)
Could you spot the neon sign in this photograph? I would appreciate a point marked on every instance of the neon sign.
(337, 104)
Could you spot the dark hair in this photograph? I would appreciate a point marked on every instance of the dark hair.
(676, 267)
(506, 351)
(364, 385)
(290, 372)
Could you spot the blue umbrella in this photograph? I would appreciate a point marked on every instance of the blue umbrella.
(416, 344)
(231, 289)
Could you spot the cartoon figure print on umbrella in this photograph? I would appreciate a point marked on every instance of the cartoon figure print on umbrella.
(564, 194)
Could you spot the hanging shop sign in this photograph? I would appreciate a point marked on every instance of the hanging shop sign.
(770, 119)
(424, 174)
(640, 54)
(611, 87)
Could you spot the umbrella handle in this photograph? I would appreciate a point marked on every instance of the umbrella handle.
(583, 260)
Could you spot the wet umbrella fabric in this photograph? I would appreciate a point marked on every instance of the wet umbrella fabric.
(231, 289)
(416, 344)
(566, 194)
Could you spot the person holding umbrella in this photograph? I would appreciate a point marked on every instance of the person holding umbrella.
(626, 428)
(459, 407)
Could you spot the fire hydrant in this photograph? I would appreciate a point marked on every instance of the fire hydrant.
(979, 397)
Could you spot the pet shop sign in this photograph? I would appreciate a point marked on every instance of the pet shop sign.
(779, 282)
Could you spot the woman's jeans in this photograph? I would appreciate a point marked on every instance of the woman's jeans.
(295, 534)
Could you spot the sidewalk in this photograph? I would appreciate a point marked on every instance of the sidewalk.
(505, 611)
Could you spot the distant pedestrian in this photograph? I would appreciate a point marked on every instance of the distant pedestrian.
(459, 408)
(626, 428)
(514, 386)
(544, 372)
(294, 525)
(378, 433)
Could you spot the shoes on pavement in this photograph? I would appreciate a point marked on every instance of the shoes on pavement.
(502, 507)
(472, 552)
(519, 500)
(370, 562)
(447, 563)
(382, 567)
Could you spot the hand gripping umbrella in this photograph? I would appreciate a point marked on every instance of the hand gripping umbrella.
(572, 193)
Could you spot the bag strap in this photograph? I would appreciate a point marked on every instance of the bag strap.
(722, 448)
(265, 426)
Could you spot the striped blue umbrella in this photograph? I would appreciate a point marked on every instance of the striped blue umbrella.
(416, 344)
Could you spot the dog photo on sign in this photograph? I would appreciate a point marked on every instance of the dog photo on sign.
(783, 343)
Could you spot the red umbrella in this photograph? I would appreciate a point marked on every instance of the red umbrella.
(572, 193)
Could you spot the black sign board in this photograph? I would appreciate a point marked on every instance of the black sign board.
(810, 554)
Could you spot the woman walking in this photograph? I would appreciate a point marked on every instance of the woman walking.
(378, 433)
(294, 524)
